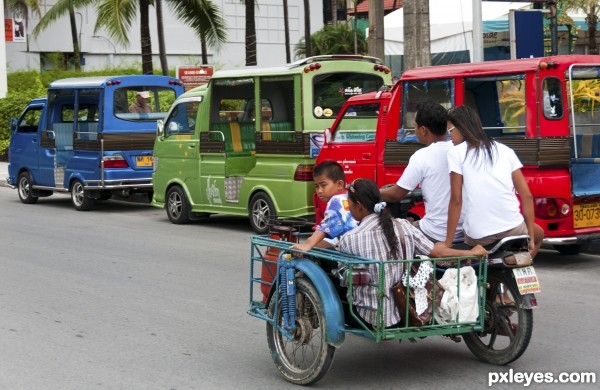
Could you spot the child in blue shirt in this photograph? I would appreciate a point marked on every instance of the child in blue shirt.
(330, 186)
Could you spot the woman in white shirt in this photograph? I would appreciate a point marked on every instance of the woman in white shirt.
(484, 175)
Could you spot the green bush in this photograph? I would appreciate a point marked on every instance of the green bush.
(24, 86)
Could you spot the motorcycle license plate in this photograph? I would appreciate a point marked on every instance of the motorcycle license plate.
(527, 280)
(143, 161)
(586, 215)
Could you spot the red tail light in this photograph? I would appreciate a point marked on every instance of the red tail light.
(115, 161)
(304, 173)
(552, 208)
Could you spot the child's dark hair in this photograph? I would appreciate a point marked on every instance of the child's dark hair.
(431, 115)
(468, 123)
(365, 192)
(331, 169)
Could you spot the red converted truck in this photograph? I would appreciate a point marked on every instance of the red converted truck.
(546, 109)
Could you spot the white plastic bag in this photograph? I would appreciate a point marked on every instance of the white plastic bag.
(458, 306)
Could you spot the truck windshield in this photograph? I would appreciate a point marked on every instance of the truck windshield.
(330, 91)
(358, 123)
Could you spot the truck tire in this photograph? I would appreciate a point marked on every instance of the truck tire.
(81, 201)
(178, 207)
(261, 212)
(24, 187)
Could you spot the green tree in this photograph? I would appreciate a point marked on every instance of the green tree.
(591, 8)
(57, 11)
(206, 19)
(337, 39)
(117, 16)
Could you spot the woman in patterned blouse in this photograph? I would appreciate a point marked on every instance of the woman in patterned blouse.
(379, 236)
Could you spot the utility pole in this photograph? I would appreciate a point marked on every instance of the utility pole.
(375, 41)
(417, 47)
(477, 50)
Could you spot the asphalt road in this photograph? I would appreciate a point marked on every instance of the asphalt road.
(119, 298)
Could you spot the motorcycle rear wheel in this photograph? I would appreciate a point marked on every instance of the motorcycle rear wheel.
(508, 326)
(307, 357)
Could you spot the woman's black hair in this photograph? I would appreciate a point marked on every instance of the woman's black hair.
(468, 123)
(365, 192)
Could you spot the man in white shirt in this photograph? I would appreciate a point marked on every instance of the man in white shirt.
(428, 167)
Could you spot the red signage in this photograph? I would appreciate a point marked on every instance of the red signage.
(8, 30)
(194, 75)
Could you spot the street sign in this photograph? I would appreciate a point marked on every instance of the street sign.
(194, 75)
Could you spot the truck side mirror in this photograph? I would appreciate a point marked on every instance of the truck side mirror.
(160, 128)
(14, 124)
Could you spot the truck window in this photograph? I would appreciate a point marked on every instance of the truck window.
(586, 102)
(552, 98)
(182, 119)
(232, 110)
(142, 103)
(415, 92)
(500, 102)
(358, 124)
(30, 120)
(330, 91)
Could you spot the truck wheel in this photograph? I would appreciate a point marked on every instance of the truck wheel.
(261, 211)
(178, 208)
(24, 187)
(79, 198)
(306, 357)
(507, 325)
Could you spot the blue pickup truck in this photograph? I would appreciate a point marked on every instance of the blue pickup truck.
(91, 137)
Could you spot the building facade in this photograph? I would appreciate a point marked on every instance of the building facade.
(23, 52)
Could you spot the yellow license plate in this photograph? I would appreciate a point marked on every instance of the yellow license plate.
(143, 161)
(586, 215)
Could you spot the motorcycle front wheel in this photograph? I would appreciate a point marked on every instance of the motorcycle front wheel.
(306, 357)
(508, 326)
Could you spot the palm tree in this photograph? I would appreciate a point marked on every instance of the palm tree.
(117, 16)
(330, 39)
(162, 50)
(250, 33)
(591, 8)
(355, 4)
(334, 7)
(286, 29)
(206, 19)
(23, 6)
(307, 42)
(57, 11)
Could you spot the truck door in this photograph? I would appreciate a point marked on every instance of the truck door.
(25, 141)
(177, 151)
(352, 142)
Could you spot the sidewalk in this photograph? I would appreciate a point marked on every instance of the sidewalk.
(3, 173)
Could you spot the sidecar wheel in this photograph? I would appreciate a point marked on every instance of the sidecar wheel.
(306, 358)
(508, 326)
